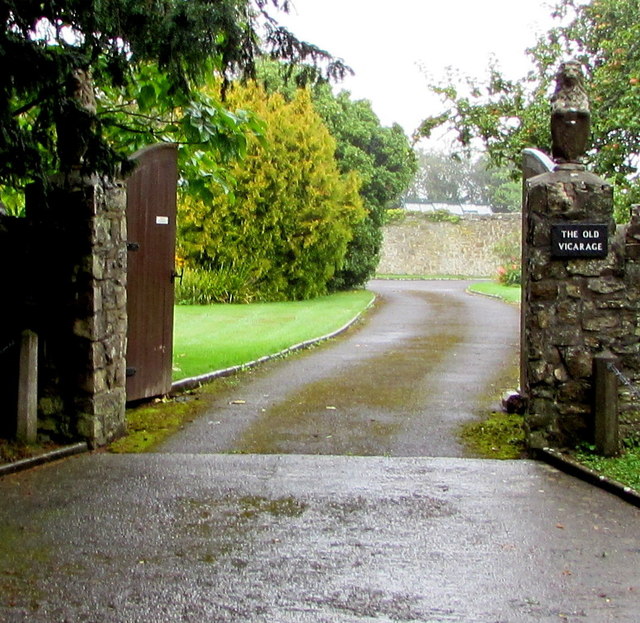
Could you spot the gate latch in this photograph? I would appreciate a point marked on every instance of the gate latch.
(133, 246)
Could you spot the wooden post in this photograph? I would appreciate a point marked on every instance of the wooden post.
(27, 428)
(606, 404)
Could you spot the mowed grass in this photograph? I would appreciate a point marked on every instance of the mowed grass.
(215, 337)
(510, 294)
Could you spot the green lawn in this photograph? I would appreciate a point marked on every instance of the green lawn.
(510, 294)
(214, 337)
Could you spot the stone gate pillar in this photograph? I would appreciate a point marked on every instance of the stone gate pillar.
(572, 271)
(79, 276)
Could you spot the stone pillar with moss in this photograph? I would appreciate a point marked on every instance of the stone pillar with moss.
(574, 305)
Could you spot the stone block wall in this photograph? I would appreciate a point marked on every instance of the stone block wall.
(419, 246)
(575, 308)
(77, 270)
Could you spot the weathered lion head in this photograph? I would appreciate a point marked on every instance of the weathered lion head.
(569, 75)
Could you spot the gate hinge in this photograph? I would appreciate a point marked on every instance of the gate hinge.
(131, 371)
(133, 246)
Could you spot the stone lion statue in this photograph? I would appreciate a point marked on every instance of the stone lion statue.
(570, 115)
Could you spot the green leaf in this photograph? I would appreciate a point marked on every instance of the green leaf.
(146, 97)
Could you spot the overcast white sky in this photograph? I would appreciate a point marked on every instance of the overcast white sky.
(386, 42)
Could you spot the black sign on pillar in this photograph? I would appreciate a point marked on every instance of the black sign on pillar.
(579, 240)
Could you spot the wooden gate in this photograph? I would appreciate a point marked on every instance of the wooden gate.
(151, 222)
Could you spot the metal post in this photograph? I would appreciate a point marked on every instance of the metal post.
(27, 428)
(606, 404)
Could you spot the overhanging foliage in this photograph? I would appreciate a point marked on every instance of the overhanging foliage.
(506, 116)
(44, 42)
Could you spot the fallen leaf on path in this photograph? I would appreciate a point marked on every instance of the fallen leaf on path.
(238, 402)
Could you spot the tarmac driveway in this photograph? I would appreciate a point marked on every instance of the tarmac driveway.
(167, 538)
(193, 535)
(430, 358)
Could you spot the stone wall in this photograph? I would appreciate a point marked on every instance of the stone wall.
(575, 307)
(68, 285)
(420, 246)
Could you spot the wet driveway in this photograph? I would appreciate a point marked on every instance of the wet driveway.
(430, 358)
(192, 534)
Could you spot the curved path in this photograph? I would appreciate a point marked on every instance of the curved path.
(429, 357)
(188, 536)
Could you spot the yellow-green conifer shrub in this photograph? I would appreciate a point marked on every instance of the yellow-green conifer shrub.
(289, 220)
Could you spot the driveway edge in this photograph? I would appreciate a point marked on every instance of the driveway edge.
(196, 381)
(47, 457)
(176, 388)
(567, 465)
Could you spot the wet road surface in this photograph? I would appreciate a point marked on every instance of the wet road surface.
(282, 538)
(191, 535)
(430, 358)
